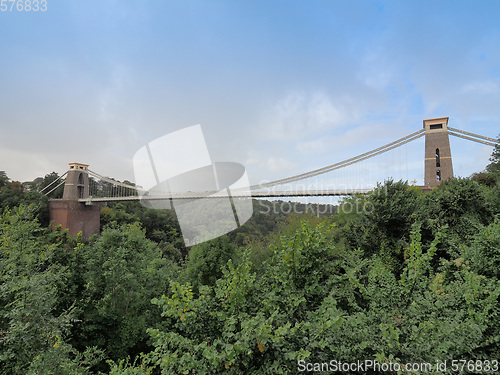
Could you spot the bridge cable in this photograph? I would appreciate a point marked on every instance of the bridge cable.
(473, 139)
(111, 181)
(62, 182)
(474, 135)
(329, 168)
(119, 187)
(53, 182)
(342, 164)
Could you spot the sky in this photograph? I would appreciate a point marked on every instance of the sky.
(282, 87)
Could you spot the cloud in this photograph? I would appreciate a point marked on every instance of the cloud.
(351, 138)
(109, 96)
(96, 89)
(280, 164)
(482, 88)
(298, 114)
(34, 164)
(376, 71)
(317, 146)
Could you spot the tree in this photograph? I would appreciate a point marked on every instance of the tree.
(380, 223)
(485, 178)
(4, 180)
(206, 261)
(121, 272)
(494, 166)
(484, 252)
(11, 194)
(459, 204)
(49, 179)
(293, 314)
(34, 332)
(492, 196)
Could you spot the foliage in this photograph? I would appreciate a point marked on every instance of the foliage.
(483, 253)
(425, 315)
(492, 198)
(4, 180)
(49, 180)
(461, 205)
(34, 334)
(314, 304)
(402, 276)
(380, 223)
(206, 260)
(486, 178)
(122, 271)
(160, 226)
(125, 367)
(246, 325)
(13, 194)
(494, 166)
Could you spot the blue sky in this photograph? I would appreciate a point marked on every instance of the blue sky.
(282, 87)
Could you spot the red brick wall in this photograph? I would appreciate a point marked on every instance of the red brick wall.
(75, 216)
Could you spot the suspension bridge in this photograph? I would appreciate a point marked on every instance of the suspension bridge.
(84, 187)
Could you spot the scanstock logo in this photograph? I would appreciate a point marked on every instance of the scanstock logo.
(176, 172)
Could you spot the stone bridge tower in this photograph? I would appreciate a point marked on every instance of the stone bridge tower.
(438, 163)
(71, 214)
(77, 182)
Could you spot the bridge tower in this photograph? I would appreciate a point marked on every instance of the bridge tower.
(438, 163)
(71, 214)
(77, 182)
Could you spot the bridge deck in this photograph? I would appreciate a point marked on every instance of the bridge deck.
(223, 194)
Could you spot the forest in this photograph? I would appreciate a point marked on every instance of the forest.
(413, 279)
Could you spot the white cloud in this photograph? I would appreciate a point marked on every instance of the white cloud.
(252, 158)
(280, 164)
(376, 71)
(352, 137)
(34, 165)
(316, 146)
(298, 115)
(482, 88)
(109, 97)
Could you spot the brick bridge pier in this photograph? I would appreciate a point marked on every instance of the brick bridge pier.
(71, 214)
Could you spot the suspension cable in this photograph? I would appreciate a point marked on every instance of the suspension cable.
(121, 188)
(53, 182)
(473, 139)
(110, 181)
(62, 182)
(342, 164)
(474, 135)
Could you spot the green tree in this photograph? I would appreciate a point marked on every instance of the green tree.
(380, 223)
(34, 332)
(424, 315)
(122, 271)
(206, 261)
(11, 195)
(4, 180)
(48, 180)
(492, 197)
(267, 324)
(494, 166)
(484, 252)
(116, 216)
(485, 178)
(461, 205)
(246, 324)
